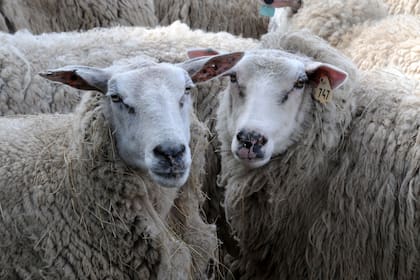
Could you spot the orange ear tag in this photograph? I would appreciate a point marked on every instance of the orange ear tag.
(323, 92)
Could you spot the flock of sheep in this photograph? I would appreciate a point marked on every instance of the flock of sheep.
(189, 139)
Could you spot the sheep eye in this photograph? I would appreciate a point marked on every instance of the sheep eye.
(116, 98)
(284, 99)
(187, 90)
(182, 101)
(299, 83)
(233, 78)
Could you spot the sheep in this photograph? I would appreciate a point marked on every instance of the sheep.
(97, 193)
(359, 29)
(317, 187)
(403, 7)
(41, 16)
(21, 92)
(237, 17)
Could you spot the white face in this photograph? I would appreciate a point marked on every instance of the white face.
(150, 110)
(266, 101)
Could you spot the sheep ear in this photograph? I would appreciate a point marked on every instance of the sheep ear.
(206, 68)
(194, 53)
(316, 70)
(80, 77)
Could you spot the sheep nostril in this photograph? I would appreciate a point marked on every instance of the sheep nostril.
(181, 150)
(263, 140)
(247, 144)
(241, 137)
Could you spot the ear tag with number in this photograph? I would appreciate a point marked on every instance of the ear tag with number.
(323, 92)
(267, 11)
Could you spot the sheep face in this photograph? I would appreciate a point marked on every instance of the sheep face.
(148, 107)
(149, 110)
(267, 101)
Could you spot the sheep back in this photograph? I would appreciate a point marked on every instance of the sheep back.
(41, 16)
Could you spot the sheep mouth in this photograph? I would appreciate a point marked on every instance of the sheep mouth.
(170, 174)
(170, 178)
(251, 161)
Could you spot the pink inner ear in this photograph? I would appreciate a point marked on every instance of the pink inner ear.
(335, 76)
(216, 66)
(193, 53)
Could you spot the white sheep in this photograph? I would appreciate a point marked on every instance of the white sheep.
(95, 194)
(238, 17)
(361, 29)
(403, 7)
(321, 164)
(22, 55)
(47, 16)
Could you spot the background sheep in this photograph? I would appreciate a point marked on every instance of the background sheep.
(41, 16)
(404, 6)
(238, 17)
(80, 193)
(359, 29)
(393, 41)
(335, 197)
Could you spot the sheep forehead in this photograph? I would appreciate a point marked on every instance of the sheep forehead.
(270, 65)
(159, 79)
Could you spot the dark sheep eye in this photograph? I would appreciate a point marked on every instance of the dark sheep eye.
(299, 83)
(187, 90)
(284, 99)
(116, 98)
(233, 78)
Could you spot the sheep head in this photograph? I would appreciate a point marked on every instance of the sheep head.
(148, 106)
(271, 93)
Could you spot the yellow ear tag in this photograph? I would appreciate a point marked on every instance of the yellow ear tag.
(323, 92)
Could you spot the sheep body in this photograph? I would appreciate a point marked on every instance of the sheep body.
(403, 7)
(71, 208)
(237, 17)
(359, 29)
(393, 41)
(66, 15)
(341, 202)
(330, 20)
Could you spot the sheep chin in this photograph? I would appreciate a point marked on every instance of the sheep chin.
(253, 163)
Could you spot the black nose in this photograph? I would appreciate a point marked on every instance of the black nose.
(250, 138)
(169, 151)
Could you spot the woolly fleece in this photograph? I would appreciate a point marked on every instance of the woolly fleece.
(239, 17)
(361, 29)
(41, 16)
(411, 7)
